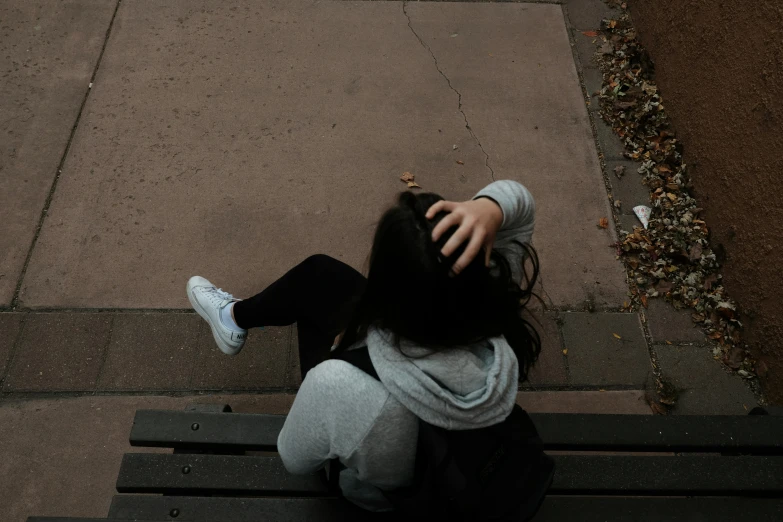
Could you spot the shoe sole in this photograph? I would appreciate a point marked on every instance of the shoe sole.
(215, 335)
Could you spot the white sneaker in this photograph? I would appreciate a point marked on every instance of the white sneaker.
(208, 301)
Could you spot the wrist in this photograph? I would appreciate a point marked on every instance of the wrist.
(491, 209)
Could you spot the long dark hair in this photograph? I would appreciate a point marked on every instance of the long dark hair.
(411, 293)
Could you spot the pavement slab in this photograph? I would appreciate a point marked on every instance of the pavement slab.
(59, 352)
(606, 349)
(48, 51)
(513, 68)
(666, 323)
(593, 78)
(704, 387)
(550, 369)
(10, 324)
(586, 15)
(280, 130)
(631, 402)
(264, 363)
(258, 129)
(151, 352)
(628, 188)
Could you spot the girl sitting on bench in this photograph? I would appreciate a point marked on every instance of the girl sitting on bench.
(440, 314)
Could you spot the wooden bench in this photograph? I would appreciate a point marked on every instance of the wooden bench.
(224, 468)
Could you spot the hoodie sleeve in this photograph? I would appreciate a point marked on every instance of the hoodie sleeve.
(334, 409)
(519, 210)
(519, 218)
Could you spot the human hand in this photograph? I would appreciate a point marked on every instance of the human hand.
(478, 220)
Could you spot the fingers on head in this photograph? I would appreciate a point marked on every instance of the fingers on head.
(439, 206)
(445, 224)
(474, 237)
(471, 251)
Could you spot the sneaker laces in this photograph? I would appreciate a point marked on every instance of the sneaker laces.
(217, 295)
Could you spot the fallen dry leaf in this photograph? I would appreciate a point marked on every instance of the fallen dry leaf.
(658, 409)
(643, 299)
(591, 34)
(664, 287)
(460, 162)
(407, 177)
(616, 336)
(603, 223)
(668, 342)
(565, 352)
(617, 203)
(619, 170)
(413, 184)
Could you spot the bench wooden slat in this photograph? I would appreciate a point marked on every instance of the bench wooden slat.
(695, 509)
(554, 509)
(699, 433)
(576, 474)
(741, 434)
(179, 473)
(658, 475)
(241, 509)
(78, 519)
(197, 430)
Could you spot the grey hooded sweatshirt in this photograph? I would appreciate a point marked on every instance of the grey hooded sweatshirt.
(372, 427)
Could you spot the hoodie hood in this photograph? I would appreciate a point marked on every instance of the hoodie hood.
(460, 388)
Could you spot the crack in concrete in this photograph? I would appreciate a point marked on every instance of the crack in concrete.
(448, 81)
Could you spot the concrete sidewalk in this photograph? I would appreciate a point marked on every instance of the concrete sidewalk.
(232, 142)
(235, 141)
(150, 141)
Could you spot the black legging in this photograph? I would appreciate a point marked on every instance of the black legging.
(318, 295)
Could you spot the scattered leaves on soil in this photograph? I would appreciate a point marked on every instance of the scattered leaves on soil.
(603, 223)
(672, 258)
(413, 184)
